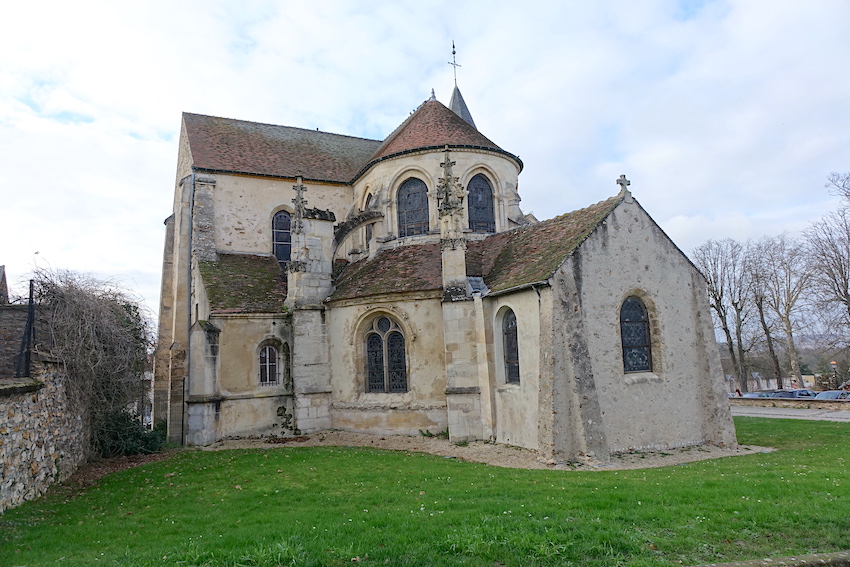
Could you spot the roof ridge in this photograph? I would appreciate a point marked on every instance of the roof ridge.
(280, 126)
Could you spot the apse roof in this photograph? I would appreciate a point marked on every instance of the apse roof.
(505, 260)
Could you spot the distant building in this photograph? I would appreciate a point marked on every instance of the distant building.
(315, 281)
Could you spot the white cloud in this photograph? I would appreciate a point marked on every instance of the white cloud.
(726, 115)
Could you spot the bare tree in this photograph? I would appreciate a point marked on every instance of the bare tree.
(839, 183)
(101, 337)
(785, 279)
(827, 244)
(759, 294)
(722, 264)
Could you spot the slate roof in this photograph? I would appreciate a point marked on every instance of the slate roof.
(506, 260)
(433, 125)
(238, 146)
(244, 283)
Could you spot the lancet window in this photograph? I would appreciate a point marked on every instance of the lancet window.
(634, 332)
(480, 204)
(511, 347)
(412, 205)
(282, 236)
(386, 361)
(269, 365)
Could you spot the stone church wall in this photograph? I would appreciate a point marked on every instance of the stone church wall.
(681, 401)
(423, 406)
(517, 404)
(41, 441)
(244, 207)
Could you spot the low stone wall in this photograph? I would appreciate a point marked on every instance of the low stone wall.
(41, 442)
(800, 403)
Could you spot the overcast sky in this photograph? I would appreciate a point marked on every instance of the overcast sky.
(726, 115)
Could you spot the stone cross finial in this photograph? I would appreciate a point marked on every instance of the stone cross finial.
(623, 182)
(300, 205)
(449, 192)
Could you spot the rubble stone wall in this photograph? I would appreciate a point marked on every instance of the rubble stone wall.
(41, 441)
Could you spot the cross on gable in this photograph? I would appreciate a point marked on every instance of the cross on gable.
(623, 182)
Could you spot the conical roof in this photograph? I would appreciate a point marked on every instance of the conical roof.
(433, 125)
(458, 106)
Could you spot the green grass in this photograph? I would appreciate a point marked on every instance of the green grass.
(329, 506)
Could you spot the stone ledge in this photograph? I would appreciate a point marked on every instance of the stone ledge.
(14, 386)
(798, 403)
(837, 559)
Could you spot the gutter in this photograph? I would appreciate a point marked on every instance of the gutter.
(533, 285)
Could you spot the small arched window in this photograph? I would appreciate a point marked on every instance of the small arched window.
(268, 365)
(386, 362)
(511, 347)
(412, 202)
(480, 205)
(282, 236)
(634, 332)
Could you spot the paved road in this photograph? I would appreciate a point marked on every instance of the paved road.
(792, 413)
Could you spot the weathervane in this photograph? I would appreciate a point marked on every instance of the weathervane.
(453, 62)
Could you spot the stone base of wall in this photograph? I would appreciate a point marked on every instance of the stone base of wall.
(41, 441)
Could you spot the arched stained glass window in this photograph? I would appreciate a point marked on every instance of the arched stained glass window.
(282, 236)
(268, 365)
(634, 331)
(412, 202)
(386, 361)
(480, 205)
(511, 347)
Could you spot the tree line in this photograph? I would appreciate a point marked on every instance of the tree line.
(770, 295)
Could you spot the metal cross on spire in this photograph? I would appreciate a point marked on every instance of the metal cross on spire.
(453, 62)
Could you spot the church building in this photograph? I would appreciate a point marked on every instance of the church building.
(316, 281)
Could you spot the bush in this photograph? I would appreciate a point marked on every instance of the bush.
(123, 434)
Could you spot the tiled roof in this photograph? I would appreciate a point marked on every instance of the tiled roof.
(532, 253)
(244, 283)
(433, 125)
(506, 260)
(397, 270)
(224, 144)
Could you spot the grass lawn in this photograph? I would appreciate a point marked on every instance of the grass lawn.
(339, 506)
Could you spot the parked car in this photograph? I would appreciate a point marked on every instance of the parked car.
(759, 394)
(833, 395)
(795, 393)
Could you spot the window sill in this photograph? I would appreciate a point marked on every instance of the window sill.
(641, 378)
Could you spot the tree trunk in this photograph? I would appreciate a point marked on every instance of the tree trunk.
(777, 370)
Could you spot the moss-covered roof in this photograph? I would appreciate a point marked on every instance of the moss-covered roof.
(531, 254)
(244, 283)
(398, 270)
(505, 260)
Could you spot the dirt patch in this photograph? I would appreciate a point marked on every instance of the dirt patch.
(491, 453)
(475, 451)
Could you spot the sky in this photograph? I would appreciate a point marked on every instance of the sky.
(725, 115)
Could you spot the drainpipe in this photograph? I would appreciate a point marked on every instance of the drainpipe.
(186, 382)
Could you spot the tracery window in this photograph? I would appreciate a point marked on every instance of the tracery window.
(480, 204)
(634, 332)
(511, 347)
(282, 236)
(268, 365)
(386, 362)
(412, 204)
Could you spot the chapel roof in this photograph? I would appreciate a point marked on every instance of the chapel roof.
(244, 283)
(239, 146)
(505, 260)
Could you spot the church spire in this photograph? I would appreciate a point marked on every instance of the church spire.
(457, 104)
